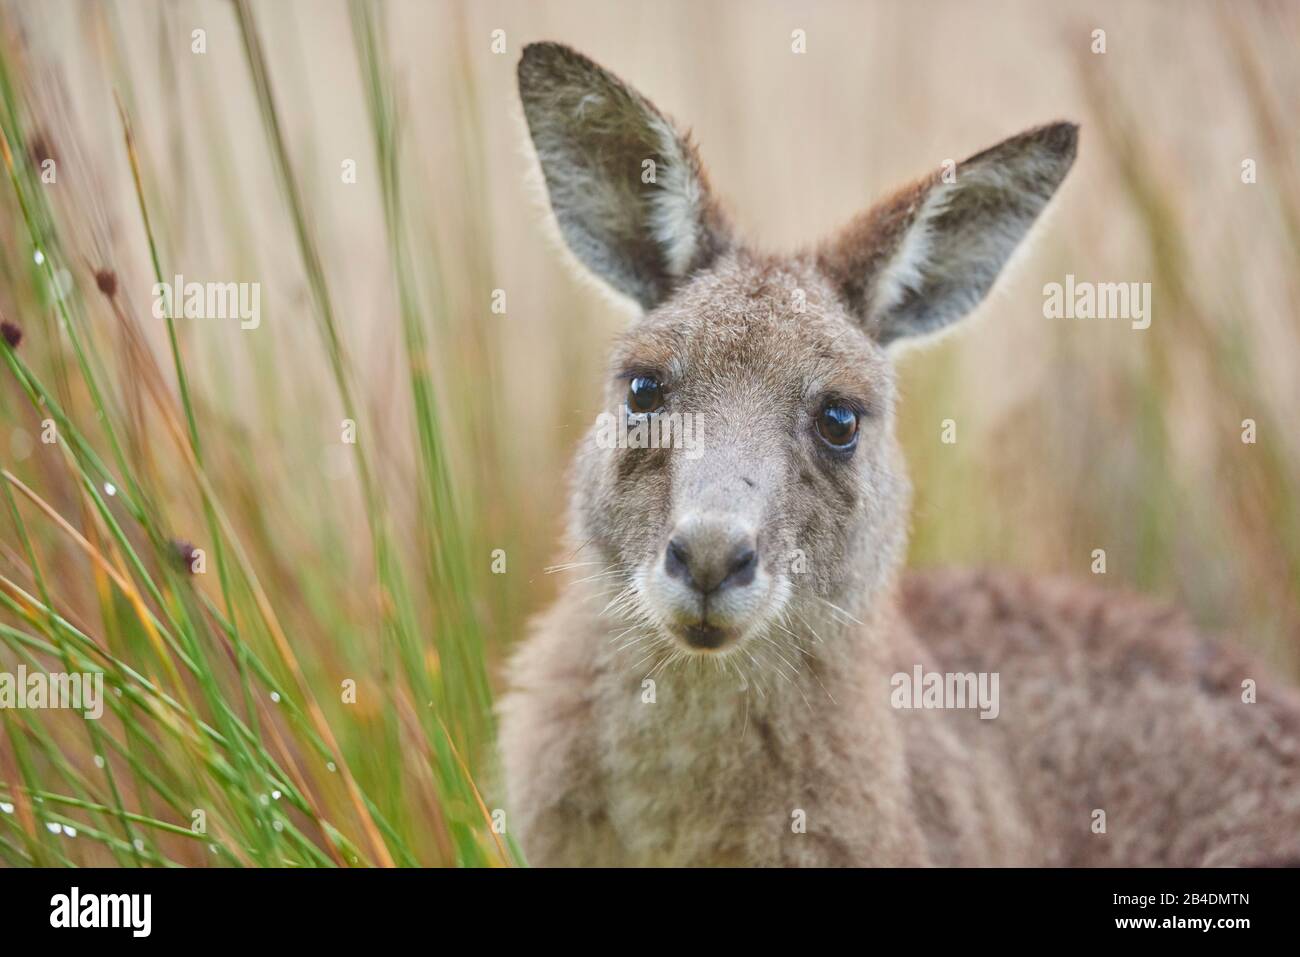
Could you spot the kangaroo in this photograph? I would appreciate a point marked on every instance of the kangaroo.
(719, 682)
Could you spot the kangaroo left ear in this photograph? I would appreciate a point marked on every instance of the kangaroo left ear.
(929, 254)
(629, 192)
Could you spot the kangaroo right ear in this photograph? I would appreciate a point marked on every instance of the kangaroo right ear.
(628, 191)
(924, 258)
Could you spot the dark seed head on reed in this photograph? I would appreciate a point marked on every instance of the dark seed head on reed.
(12, 334)
(106, 280)
(39, 149)
(185, 554)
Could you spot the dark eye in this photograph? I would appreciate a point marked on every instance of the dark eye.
(644, 394)
(838, 424)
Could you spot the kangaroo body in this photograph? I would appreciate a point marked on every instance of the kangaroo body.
(1109, 703)
(719, 680)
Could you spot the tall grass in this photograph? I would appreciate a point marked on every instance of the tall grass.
(220, 740)
(329, 565)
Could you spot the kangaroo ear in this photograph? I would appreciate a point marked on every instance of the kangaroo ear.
(929, 254)
(628, 191)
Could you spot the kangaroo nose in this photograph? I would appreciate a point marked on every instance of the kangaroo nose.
(711, 555)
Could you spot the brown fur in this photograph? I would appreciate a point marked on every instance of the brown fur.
(1107, 702)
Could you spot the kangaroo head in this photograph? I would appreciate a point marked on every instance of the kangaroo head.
(791, 490)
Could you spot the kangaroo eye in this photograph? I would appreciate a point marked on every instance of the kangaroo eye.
(838, 425)
(644, 394)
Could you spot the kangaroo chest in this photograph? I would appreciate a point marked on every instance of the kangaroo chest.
(696, 773)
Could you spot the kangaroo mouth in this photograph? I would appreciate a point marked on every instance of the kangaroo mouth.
(706, 637)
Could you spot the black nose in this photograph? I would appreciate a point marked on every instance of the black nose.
(711, 558)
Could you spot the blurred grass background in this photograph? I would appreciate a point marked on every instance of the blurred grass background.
(328, 562)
